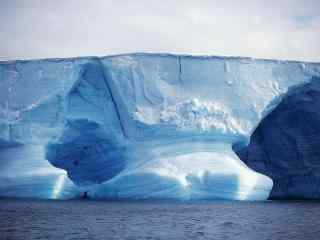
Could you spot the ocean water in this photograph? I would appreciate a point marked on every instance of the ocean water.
(85, 219)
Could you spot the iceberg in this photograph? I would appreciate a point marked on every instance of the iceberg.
(138, 126)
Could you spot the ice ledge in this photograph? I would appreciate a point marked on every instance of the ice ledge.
(197, 171)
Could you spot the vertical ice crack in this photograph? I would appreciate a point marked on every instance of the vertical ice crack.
(180, 69)
(112, 99)
(10, 137)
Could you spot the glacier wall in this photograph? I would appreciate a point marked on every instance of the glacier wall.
(138, 126)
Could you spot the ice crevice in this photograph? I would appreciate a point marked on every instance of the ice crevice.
(112, 97)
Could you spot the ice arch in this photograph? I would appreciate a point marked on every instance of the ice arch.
(151, 125)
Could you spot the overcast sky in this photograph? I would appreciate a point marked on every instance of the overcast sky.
(280, 29)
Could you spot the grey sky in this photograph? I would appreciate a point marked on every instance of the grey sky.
(281, 29)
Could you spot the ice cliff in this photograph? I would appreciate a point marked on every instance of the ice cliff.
(141, 126)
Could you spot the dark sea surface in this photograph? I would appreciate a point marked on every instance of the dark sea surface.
(85, 219)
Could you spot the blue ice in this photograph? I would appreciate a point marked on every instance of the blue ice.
(137, 126)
